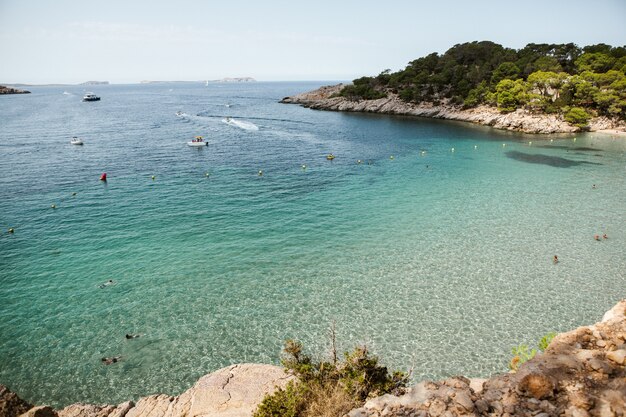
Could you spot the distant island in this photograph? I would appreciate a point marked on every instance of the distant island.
(11, 90)
(236, 80)
(541, 88)
(95, 83)
(223, 80)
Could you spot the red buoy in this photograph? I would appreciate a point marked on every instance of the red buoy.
(103, 177)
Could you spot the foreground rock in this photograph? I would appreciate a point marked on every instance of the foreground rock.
(325, 98)
(234, 391)
(10, 404)
(581, 374)
(11, 90)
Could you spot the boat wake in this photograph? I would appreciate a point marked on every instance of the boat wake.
(240, 124)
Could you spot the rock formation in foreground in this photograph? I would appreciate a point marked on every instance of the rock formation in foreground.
(234, 391)
(11, 90)
(325, 98)
(582, 373)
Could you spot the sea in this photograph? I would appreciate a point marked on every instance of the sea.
(430, 242)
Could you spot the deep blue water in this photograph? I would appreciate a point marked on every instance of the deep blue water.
(436, 258)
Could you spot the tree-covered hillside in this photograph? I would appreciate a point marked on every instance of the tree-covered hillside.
(550, 78)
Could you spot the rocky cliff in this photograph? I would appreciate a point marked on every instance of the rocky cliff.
(582, 373)
(325, 98)
(11, 90)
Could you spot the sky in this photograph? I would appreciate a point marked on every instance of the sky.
(126, 41)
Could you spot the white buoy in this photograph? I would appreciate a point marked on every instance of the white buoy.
(358, 161)
(452, 150)
(475, 146)
(153, 177)
(11, 230)
(303, 166)
(53, 206)
(391, 157)
(206, 174)
(503, 145)
(530, 143)
(260, 173)
(551, 140)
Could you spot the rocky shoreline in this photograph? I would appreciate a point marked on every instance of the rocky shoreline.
(582, 373)
(11, 90)
(519, 120)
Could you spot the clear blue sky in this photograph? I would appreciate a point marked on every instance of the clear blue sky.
(70, 41)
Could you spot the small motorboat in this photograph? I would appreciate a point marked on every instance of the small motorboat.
(198, 141)
(76, 141)
(90, 97)
(330, 156)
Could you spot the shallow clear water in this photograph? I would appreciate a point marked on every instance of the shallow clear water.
(436, 259)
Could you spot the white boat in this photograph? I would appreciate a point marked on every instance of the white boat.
(76, 141)
(90, 97)
(241, 124)
(198, 141)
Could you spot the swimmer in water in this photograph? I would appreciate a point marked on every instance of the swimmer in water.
(597, 237)
(106, 284)
(604, 236)
(555, 260)
(593, 187)
(132, 336)
(110, 361)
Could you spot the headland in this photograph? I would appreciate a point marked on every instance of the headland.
(522, 120)
(11, 90)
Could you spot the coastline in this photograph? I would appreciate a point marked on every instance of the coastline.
(11, 90)
(520, 120)
(581, 373)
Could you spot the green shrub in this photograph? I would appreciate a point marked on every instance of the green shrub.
(545, 341)
(329, 388)
(523, 353)
(577, 116)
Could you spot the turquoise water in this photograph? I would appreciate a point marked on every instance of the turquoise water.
(438, 260)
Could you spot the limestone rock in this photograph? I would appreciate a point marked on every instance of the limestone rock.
(617, 356)
(10, 404)
(618, 312)
(234, 391)
(40, 411)
(476, 384)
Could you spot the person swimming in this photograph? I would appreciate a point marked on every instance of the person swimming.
(132, 336)
(555, 260)
(106, 284)
(597, 237)
(604, 236)
(110, 361)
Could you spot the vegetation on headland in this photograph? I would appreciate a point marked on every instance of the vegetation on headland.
(544, 78)
(329, 388)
